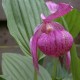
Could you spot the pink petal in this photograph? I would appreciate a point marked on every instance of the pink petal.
(68, 60)
(43, 16)
(57, 26)
(67, 40)
(33, 47)
(61, 10)
(37, 28)
(53, 7)
(55, 43)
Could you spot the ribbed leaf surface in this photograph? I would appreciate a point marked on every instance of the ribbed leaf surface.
(22, 17)
(21, 68)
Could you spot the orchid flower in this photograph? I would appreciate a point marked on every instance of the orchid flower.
(51, 37)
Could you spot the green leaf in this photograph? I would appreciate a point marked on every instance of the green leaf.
(68, 77)
(5, 77)
(20, 67)
(2, 78)
(22, 17)
(73, 22)
(55, 69)
(75, 64)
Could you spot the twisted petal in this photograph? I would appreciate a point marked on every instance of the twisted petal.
(53, 7)
(68, 60)
(43, 16)
(33, 46)
(57, 10)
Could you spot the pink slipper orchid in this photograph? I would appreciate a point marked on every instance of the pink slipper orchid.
(51, 37)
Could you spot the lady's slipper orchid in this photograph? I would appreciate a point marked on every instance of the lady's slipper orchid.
(51, 37)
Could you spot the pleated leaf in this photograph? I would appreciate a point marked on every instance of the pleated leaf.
(22, 17)
(19, 67)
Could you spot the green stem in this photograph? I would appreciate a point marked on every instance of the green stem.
(65, 24)
(35, 75)
(55, 69)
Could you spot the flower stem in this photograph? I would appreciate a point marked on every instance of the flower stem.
(35, 75)
(65, 23)
(55, 69)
